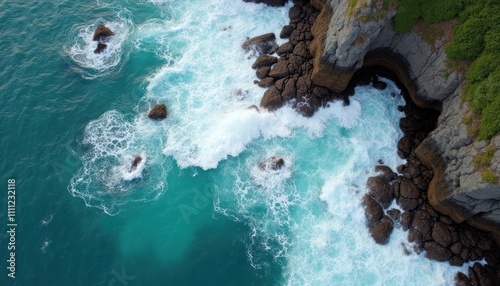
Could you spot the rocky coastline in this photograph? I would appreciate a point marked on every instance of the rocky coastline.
(327, 54)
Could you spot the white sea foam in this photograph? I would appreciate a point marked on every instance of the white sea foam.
(106, 180)
(80, 46)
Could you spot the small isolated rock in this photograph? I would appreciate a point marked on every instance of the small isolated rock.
(263, 44)
(273, 163)
(100, 48)
(135, 163)
(382, 230)
(158, 112)
(101, 33)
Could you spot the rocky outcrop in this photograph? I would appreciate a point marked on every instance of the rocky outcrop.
(273, 163)
(158, 112)
(137, 160)
(101, 33)
(289, 76)
(457, 188)
(347, 38)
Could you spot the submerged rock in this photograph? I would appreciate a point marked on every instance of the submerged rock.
(273, 163)
(100, 48)
(101, 33)
(135, 163)
(158, 112)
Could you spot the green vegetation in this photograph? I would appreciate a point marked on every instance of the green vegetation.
(476, 39)
(484, 159)
(489, 176)
(352, 6)
(432, 11)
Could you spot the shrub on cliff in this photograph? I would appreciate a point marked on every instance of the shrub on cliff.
(490, 121)
(432, 11)
(476, 38)
(482, 67)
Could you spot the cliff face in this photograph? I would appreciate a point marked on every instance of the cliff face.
(350, 37)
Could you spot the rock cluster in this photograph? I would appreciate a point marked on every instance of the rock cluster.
(288, 75)
(273, 163)
(438, 235)
(101, 35)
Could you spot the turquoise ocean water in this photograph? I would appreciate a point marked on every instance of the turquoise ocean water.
(198, 211)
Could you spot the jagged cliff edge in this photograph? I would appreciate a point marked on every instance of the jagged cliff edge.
(347, 38)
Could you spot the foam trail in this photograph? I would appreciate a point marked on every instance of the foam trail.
(106, 180)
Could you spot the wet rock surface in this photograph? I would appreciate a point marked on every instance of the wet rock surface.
(432, 232)
(158, 112)
(289, 76)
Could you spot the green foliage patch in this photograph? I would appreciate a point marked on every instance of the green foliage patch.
(476, 38)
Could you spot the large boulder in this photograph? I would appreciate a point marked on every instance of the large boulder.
(441, 234)
(386, 172)
(101, 33)
(263, 44)
(271, 100)
(380, 190)
(382, 230)
(264, 61)
(437, 252)
(158, 112)
(409, 195)
(262, 72)
(373, 211)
